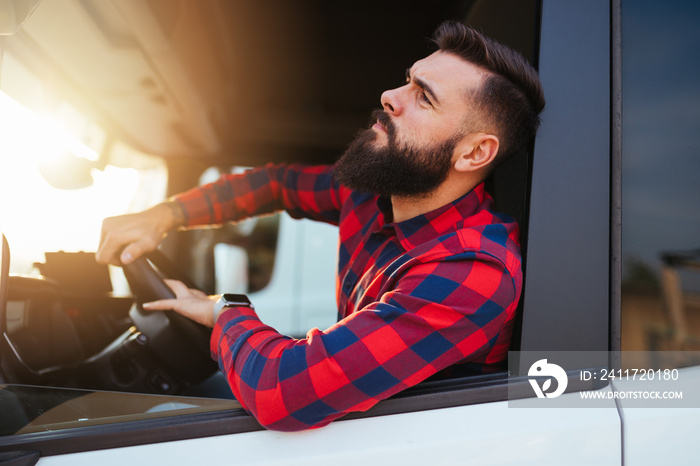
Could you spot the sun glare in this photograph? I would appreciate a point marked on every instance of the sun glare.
(36, 216)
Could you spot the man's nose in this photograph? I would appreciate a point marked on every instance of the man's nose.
(391, 101)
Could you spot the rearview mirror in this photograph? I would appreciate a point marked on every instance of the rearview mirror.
(68, 171)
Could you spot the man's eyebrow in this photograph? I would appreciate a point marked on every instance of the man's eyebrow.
(424, 85)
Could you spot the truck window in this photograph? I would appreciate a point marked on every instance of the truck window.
(660, 215)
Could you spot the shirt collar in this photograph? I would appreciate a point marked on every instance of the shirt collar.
(431, 225)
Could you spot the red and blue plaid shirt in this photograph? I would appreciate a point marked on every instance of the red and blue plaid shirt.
(414, 297)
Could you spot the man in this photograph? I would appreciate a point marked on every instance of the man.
(429, 276)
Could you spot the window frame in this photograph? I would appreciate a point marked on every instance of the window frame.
(569, 219)
(574, 53)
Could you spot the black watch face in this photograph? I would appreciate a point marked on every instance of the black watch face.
(232, 299)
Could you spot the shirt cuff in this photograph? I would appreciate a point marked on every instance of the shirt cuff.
(195, 206)
(231, 322)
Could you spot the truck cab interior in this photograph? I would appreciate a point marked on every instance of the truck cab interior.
(117, 105)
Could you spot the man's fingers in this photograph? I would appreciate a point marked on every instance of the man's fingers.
(137, 248)
(192, 304)
(106, 252)
(160, 305)
(130, 253)
(179, 288)
(125, 238)
(110, 246)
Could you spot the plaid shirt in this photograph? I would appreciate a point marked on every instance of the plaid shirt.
(413, 297)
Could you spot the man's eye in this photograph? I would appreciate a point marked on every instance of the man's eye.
(424, 98)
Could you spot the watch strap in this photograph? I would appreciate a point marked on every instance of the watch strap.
(230, 300)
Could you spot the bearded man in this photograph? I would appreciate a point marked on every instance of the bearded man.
(429, 277)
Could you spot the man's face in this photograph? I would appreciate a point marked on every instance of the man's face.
(410, 147)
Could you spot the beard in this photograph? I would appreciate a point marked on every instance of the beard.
(393, 170)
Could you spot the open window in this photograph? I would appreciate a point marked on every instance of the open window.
(518, 187)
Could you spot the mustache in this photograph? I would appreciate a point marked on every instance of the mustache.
(383, 118)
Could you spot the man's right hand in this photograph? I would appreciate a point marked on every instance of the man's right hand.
(127, 237)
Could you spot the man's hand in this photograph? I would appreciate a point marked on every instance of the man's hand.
(191, 303)
(126, 237)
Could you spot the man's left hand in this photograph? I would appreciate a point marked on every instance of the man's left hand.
(191, 303)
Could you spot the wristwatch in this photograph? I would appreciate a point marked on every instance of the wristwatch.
(231, 300)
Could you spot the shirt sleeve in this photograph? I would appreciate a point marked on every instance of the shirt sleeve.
(438, 314)
(303, 191)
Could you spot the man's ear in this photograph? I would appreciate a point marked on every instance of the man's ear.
(475, 151)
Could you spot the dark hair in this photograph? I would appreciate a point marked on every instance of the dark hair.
(511, 96)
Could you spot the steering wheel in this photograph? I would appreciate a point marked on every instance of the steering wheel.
(180, 345)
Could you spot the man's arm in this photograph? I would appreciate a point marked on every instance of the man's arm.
(303, 191)
(438, 315)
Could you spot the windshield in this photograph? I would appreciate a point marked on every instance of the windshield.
(46, 145)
